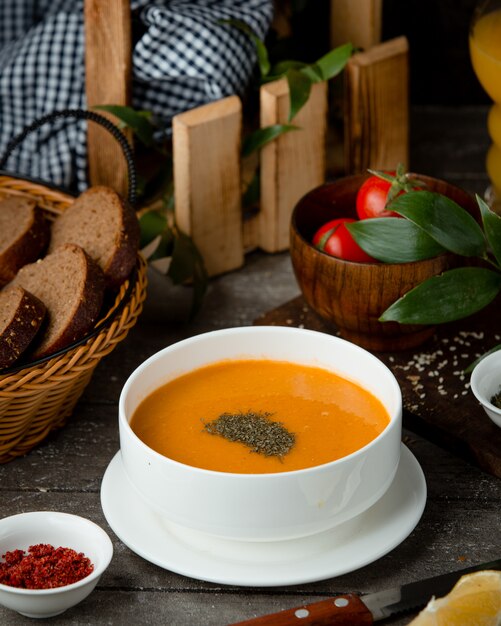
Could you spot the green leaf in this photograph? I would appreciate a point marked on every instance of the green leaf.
(394, 240)
(472, 366)
(282, 67)
(236, 23)
(327, 67)
(165, 245)
(152, 224)
(135, 120)
(333, 62)
(444, 220)
(299, 91)
(187, 263)
(280, 70)
(492, 228)
(262, 57)
(262, 136)
(451, 296)
(252, 193)
(313, 72)
(262, 52)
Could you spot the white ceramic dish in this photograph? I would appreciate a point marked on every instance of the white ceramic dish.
(263, 507)
(486, 382)
(60, 530)
(256, 564)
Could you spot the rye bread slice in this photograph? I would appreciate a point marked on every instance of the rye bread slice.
(106, 227)
(21, 316)
(71, 285)
(24, 235)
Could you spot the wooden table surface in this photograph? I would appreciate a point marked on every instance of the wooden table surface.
(461, 522)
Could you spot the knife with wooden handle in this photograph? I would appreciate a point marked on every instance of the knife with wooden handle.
(353, 610)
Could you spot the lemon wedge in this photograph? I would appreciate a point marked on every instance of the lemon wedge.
(475, 600)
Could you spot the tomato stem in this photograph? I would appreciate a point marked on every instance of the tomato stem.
(400, 182)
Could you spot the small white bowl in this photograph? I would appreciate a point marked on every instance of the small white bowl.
(59, 530)
(486, 382)
(263, 507)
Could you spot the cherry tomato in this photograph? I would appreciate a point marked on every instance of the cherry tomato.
(335, 239)
(372, 198)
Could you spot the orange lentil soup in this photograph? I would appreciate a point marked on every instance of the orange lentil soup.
(329, 417)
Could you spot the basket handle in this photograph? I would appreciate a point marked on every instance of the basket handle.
(81, 114)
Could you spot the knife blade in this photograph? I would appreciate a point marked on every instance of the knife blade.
(354, 610)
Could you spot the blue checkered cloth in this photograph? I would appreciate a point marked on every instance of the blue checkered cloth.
(182, 58)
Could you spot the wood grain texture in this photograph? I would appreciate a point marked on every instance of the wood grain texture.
(292, 164)
(377, 108)
(354, 295)
(206, 149)
(345, 610)
(108, 64)
(356, 21)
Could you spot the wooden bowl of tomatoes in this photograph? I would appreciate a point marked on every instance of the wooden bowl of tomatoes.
(340, 282)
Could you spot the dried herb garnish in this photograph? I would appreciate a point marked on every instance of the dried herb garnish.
(255, 430)
(496, 399)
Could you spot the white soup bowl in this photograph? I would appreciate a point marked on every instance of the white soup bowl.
(262, 507)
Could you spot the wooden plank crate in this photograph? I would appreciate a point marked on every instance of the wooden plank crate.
(207, 174)
(376, 108)
(206, 140)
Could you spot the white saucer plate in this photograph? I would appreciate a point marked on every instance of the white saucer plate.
(343, 549)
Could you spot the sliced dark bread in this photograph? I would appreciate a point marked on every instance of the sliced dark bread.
(21, 316)
(71, 285)
(24, 235)
(106, 227)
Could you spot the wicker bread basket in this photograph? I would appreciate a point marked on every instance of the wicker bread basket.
(38, 397)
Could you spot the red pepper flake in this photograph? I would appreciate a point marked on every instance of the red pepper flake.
(43, 567)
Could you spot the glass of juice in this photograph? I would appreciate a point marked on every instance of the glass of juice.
(485, 53)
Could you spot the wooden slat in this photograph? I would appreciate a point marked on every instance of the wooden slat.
(292, 164)
(107, 81)
(377, 107)
(356, 21)
(206, 147)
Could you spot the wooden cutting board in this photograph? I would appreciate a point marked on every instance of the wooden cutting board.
(438, 403)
